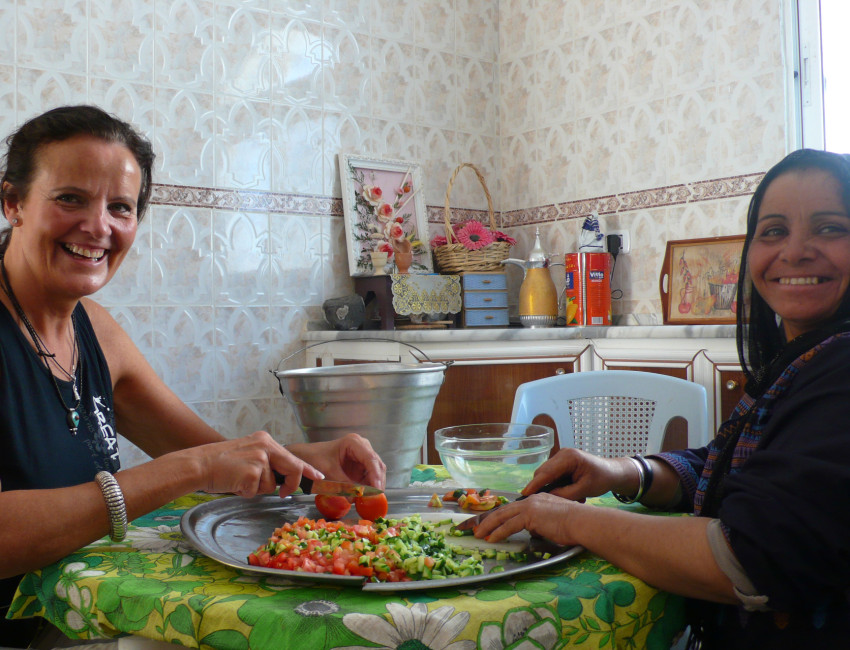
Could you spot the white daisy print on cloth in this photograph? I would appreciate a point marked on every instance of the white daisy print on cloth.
(435, 630)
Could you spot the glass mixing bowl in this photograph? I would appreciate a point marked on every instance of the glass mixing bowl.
(498, 456)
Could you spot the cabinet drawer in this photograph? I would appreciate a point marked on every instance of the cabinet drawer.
(485, 299)
(485, 317)
(484, 282)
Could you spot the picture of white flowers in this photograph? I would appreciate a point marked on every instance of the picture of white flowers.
(386, 226)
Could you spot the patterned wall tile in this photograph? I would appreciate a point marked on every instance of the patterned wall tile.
(476, 29)
(690, 48)
(434, 25)
(297, 157)
(353, 15)
(184, 137)
(347, 79)
(344, 132)
(7, 45)
(8, 122)
(241, 248)
(121, 40)
(132, 102)
(477, 109)
(297, 56)
(182, 255)
(52, 35)
(242, 51)
(394, 19)
(516, 28)
(243, 144)
(393, 80)
(295, 274)
(244, 353)
(40, 90)
(184, 45)
(641, 154)
(183, 342)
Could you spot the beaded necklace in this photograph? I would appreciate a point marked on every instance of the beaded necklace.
(72, 414)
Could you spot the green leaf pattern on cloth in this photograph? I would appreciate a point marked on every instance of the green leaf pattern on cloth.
(155, 586)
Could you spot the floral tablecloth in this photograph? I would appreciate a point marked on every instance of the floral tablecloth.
(156, 586)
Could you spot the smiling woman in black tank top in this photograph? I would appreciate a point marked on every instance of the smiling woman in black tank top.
(76, 184)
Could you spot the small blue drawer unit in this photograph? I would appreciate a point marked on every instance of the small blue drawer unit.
(485, 299)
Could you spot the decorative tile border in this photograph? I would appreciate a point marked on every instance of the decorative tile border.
(308, 204)
(245, 200)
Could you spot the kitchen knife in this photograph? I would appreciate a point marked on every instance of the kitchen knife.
(333, 488)
(338, 488)
(472, 522)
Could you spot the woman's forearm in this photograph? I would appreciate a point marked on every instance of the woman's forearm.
(671, 553)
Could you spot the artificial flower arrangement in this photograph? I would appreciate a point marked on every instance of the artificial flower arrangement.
(384, 224)
(471, 245)
(474, 236)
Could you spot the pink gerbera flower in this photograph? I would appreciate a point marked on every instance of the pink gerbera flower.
(473, 235)
(500, 236)
(439, 240)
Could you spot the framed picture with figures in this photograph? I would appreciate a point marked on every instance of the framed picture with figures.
(699, 280)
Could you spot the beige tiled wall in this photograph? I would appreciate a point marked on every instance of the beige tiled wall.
(565, 105)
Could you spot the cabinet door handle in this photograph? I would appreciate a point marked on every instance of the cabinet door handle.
(486, 281)
(488, 300)
(489, 317)
(731, 385)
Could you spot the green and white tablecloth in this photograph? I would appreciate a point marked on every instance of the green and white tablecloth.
(155, 586)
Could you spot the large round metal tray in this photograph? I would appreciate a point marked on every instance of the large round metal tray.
(228, 529)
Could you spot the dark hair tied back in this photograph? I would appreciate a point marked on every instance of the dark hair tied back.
(61, 124)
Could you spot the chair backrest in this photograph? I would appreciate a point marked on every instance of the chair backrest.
(614, 413)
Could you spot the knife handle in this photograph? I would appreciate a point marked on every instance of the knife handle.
(561, 481)
(306, 484)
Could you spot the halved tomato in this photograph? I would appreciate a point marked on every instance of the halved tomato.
(332, 507)
(372, 507)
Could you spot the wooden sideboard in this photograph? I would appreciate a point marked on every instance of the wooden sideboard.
(488, 365)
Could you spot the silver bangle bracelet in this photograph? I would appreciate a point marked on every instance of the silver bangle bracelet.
(641, 485)
(114, 505)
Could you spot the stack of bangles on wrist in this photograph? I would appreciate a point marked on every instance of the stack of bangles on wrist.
(114, 505)
(645, 476)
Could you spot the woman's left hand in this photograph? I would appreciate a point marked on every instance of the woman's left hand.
(541, 514)
(350, 458)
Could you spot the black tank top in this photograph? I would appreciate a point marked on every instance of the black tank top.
(37, 450)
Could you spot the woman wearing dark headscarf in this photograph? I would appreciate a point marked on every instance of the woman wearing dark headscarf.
(765, 561)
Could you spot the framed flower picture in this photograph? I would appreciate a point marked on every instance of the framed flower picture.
(386, 225)
(699, 280)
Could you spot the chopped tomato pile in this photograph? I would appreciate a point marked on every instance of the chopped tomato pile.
(472, 499)
(381, 551)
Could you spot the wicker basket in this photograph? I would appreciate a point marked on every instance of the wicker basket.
(454, 257)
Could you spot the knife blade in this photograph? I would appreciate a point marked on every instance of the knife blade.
(338, 488)
(332, 488)
(472, 522)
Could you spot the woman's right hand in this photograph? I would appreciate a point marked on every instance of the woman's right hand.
(591, 475)
(246, 466)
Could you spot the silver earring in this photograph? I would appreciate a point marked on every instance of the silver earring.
(14, 222)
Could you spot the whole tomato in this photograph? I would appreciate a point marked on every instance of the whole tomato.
(372, 507)
(332, 507)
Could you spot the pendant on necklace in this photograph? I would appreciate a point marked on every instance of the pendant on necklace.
(76, 392)
(73, 419)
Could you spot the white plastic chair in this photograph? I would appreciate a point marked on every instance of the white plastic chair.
(614, 413)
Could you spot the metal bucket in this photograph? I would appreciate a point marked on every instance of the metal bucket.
(389, 404)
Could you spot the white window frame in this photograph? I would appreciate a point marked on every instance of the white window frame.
(804, 74)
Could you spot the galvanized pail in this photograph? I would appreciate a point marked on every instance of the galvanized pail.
(389, 404)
